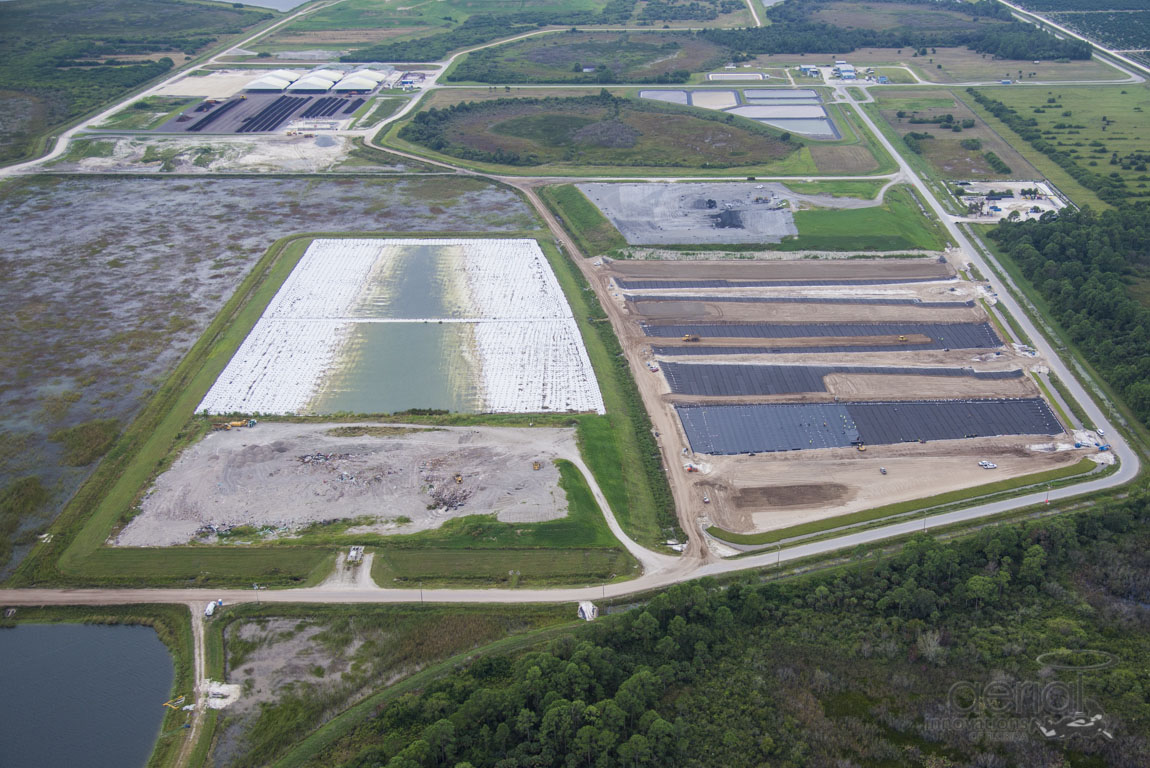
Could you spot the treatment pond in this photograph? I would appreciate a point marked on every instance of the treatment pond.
(81, 694)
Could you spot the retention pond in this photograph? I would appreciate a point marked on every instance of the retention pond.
(81, 694)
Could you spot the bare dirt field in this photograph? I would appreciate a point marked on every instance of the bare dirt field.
(287, 476)
(107, 281)
(768, 491)
(772, 491)
(706, 311)
(217, 154)
(219, 84)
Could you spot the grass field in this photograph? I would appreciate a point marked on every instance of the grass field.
(356, 23)
(147, 113)
(593, 233)
(631, 57)
(1102, 129)
(598, 132)
(878, 513)
(898, 224)
(945, 153)
(479, 548)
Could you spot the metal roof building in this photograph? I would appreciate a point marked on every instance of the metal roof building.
(355, 83)
(268, 83)
(311, 84)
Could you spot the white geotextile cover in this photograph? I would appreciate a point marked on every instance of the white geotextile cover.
(532, 357)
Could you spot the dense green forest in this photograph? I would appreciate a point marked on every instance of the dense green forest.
(483, 28)
(1081, 262)
(697, 10)
(61, 58)
(875, 663)
(792, 31)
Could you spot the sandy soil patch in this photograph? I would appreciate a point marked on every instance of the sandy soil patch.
(871, 387)
(217, 85)
(286, 476)
(771, 491)
(706, 311)
(854, 269)
(270, 154)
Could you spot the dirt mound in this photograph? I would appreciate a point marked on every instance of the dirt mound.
(790, 495)
(609, 133)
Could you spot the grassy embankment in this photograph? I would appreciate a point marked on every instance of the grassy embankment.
(76, 552)
(173, 626)
(619, 447)
(904, 507)
(593, 233)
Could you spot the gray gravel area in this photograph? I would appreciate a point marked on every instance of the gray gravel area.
(701, 213)
(282, 477)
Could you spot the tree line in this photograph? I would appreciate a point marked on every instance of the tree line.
(1082, 263)
(846, 668)
(793, 31)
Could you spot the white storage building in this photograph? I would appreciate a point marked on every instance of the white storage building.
(312, 83)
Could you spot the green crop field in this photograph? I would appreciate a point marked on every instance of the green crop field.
(598, 132)
(612, 58)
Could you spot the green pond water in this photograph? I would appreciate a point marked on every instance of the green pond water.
(391, 367)
(422, 281)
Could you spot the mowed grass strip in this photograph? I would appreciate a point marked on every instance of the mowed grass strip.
(903, 507)
(593, 232)
(898, 224)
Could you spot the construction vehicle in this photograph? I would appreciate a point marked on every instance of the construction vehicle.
(537, 465)
(690, 337)
(249, 423)
(902, 338)
(458, 479)
(862, 448)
